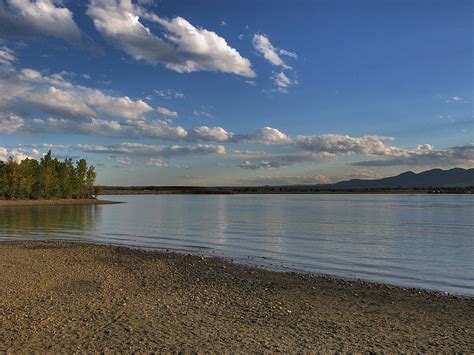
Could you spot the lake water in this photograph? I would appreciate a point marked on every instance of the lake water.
(422, 241)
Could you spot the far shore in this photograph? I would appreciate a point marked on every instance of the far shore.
(55, 202)
(269, 192)
(73, 297)
(249, 190)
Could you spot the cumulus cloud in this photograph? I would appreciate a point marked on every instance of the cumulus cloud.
(249, 165)
(157, 129)
(122, 161)
(78, 109)
(335, 144)
(266, 136)
(272, 136)
(167, 112)
(259, 160)
(90, 126)
(84, 110)
(119, 22)
(11, 123)
(136, 128)
(140, 149)
(287, 180)
(463, 155)
(10, 89)
(185, 48)
(215, 134)
(32, 75)
(200, 49)
(85, 102)
(18, 154)
(365, 174)
(156, 162)
(263, 45)
(55, 95)
(25, 18)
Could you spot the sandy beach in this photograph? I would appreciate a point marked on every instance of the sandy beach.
(81, 297)
(55, 202)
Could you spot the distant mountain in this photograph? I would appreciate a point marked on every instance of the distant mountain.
(456, 177)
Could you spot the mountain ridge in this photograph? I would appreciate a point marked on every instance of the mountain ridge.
(455, 177)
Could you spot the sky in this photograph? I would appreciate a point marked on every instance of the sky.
(249, 92)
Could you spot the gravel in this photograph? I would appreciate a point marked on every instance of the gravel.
(58, 296)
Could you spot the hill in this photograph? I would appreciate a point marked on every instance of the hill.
(456, 177)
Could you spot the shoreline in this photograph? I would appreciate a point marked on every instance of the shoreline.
(100, 297)
(342, 192)
(55, 202)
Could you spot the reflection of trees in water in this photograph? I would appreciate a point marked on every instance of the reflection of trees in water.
(24, 220)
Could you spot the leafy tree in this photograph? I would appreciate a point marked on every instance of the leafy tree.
(46, 179)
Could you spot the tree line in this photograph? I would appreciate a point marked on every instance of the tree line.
(47, 178)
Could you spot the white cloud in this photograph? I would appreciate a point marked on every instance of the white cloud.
(11, 123)
(283, 82)
(335, 144)
(55, 95)
(204, 114)
(292, 55)
(261, 160)
(365, 174)
(263, 164)
(186, 49)
(286, 180)
(459, 155)
(200, 49)
(157, 129)
(122, 160)
(169, 94)
(35, 76)
(272, 136)
(167, 112)
(10, 89)
(119, 22)
(140, 149)
(266, 136)
(85, 102)
(135, 128)
(263, 45)
(7, 56)
(156, 162)
(25, 18)
(16, 154)
(215, 134)
(88, 126)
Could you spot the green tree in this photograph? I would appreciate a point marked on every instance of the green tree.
(47, 178)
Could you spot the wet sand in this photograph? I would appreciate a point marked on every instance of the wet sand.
(81, 297)
(55, 202)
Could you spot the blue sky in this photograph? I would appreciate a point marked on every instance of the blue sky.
(248, 92)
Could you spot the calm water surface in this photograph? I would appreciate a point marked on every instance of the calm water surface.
(411, 240)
